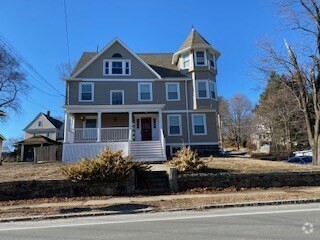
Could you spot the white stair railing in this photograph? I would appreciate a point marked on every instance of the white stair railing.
(163, 142)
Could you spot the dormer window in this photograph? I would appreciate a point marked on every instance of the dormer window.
(186, 61)
(117, 67)
(212, 61)
(201, 58)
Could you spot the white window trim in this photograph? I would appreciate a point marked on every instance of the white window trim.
(214, 61)
(204, 122)
(205, 59)
(180, 124)
(207, 89)
(167, 91)
(110, 67)
(183, 60)
(80, 91)
(114, 91)
(139, 92)
(214, 88)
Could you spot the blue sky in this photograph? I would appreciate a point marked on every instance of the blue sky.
(36, 28)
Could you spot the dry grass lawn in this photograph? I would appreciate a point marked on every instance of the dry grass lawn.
(30, 171)
(248, 165)
(51, 171)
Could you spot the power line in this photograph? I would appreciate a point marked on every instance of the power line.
(67, 32)
(21, 58)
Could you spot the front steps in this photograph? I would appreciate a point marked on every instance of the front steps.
(147, 151)
(153, 182)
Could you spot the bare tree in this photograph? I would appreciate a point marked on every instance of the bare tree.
(65, 69)
(12, 81)
(239, 120)
(300, 63)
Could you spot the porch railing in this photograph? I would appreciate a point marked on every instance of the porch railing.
(85, 134)
(115, 134)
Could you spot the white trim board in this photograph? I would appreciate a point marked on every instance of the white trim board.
(122, 79)
(113, 108)
(105, 49)
(189, 111)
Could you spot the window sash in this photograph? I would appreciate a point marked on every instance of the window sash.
(200, 58)
(117, 67)
(117, 98)
(174, 123)
(172, 91)
(211, 60)
(86, 92)
(202, 89)
(145, 92)
(212, 90)
(199, 124)
(186, 61)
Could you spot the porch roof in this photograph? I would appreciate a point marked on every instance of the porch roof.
(113, 108)
(38, 140)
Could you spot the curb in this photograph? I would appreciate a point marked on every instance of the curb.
(149, 210)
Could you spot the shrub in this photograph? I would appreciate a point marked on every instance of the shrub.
(187, 161)
(107, 166)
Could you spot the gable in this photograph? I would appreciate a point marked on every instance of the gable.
(46, 124)
(94, 68)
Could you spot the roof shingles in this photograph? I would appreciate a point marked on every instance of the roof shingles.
(160, 62)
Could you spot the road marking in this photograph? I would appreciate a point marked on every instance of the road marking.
(158, 219)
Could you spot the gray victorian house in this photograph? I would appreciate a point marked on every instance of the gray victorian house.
(149, 105)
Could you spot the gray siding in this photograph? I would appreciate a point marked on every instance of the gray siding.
(102, 94)
(138, 70)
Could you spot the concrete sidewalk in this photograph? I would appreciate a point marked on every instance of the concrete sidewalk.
(143, 199)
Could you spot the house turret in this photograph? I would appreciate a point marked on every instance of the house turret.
(197, 58)
(195, 53)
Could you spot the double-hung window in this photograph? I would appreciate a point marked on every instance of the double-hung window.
(212, 60)
(202, 89)
(201, 58)
(145, 91)
(199, 125)
(173, 91)
(212, 87)
(174, 125)
(117, 67)
(116, 97)
(86, 92)
(186, 61)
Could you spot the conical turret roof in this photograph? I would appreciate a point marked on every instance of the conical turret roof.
(194, 40)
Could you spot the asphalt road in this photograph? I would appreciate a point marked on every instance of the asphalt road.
(271, 222)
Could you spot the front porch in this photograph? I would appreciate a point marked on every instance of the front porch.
(138, 133)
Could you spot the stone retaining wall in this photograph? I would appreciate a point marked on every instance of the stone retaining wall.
(63, 188)
(238, 180)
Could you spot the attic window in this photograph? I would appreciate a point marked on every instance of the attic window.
(117, 67)
(117, 55)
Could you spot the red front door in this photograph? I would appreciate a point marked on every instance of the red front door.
(146, 129)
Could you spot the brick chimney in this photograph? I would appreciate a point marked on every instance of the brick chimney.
(48, 113)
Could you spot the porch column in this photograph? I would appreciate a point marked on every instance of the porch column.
(66, 127)
(99, 127)
(130, 126)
